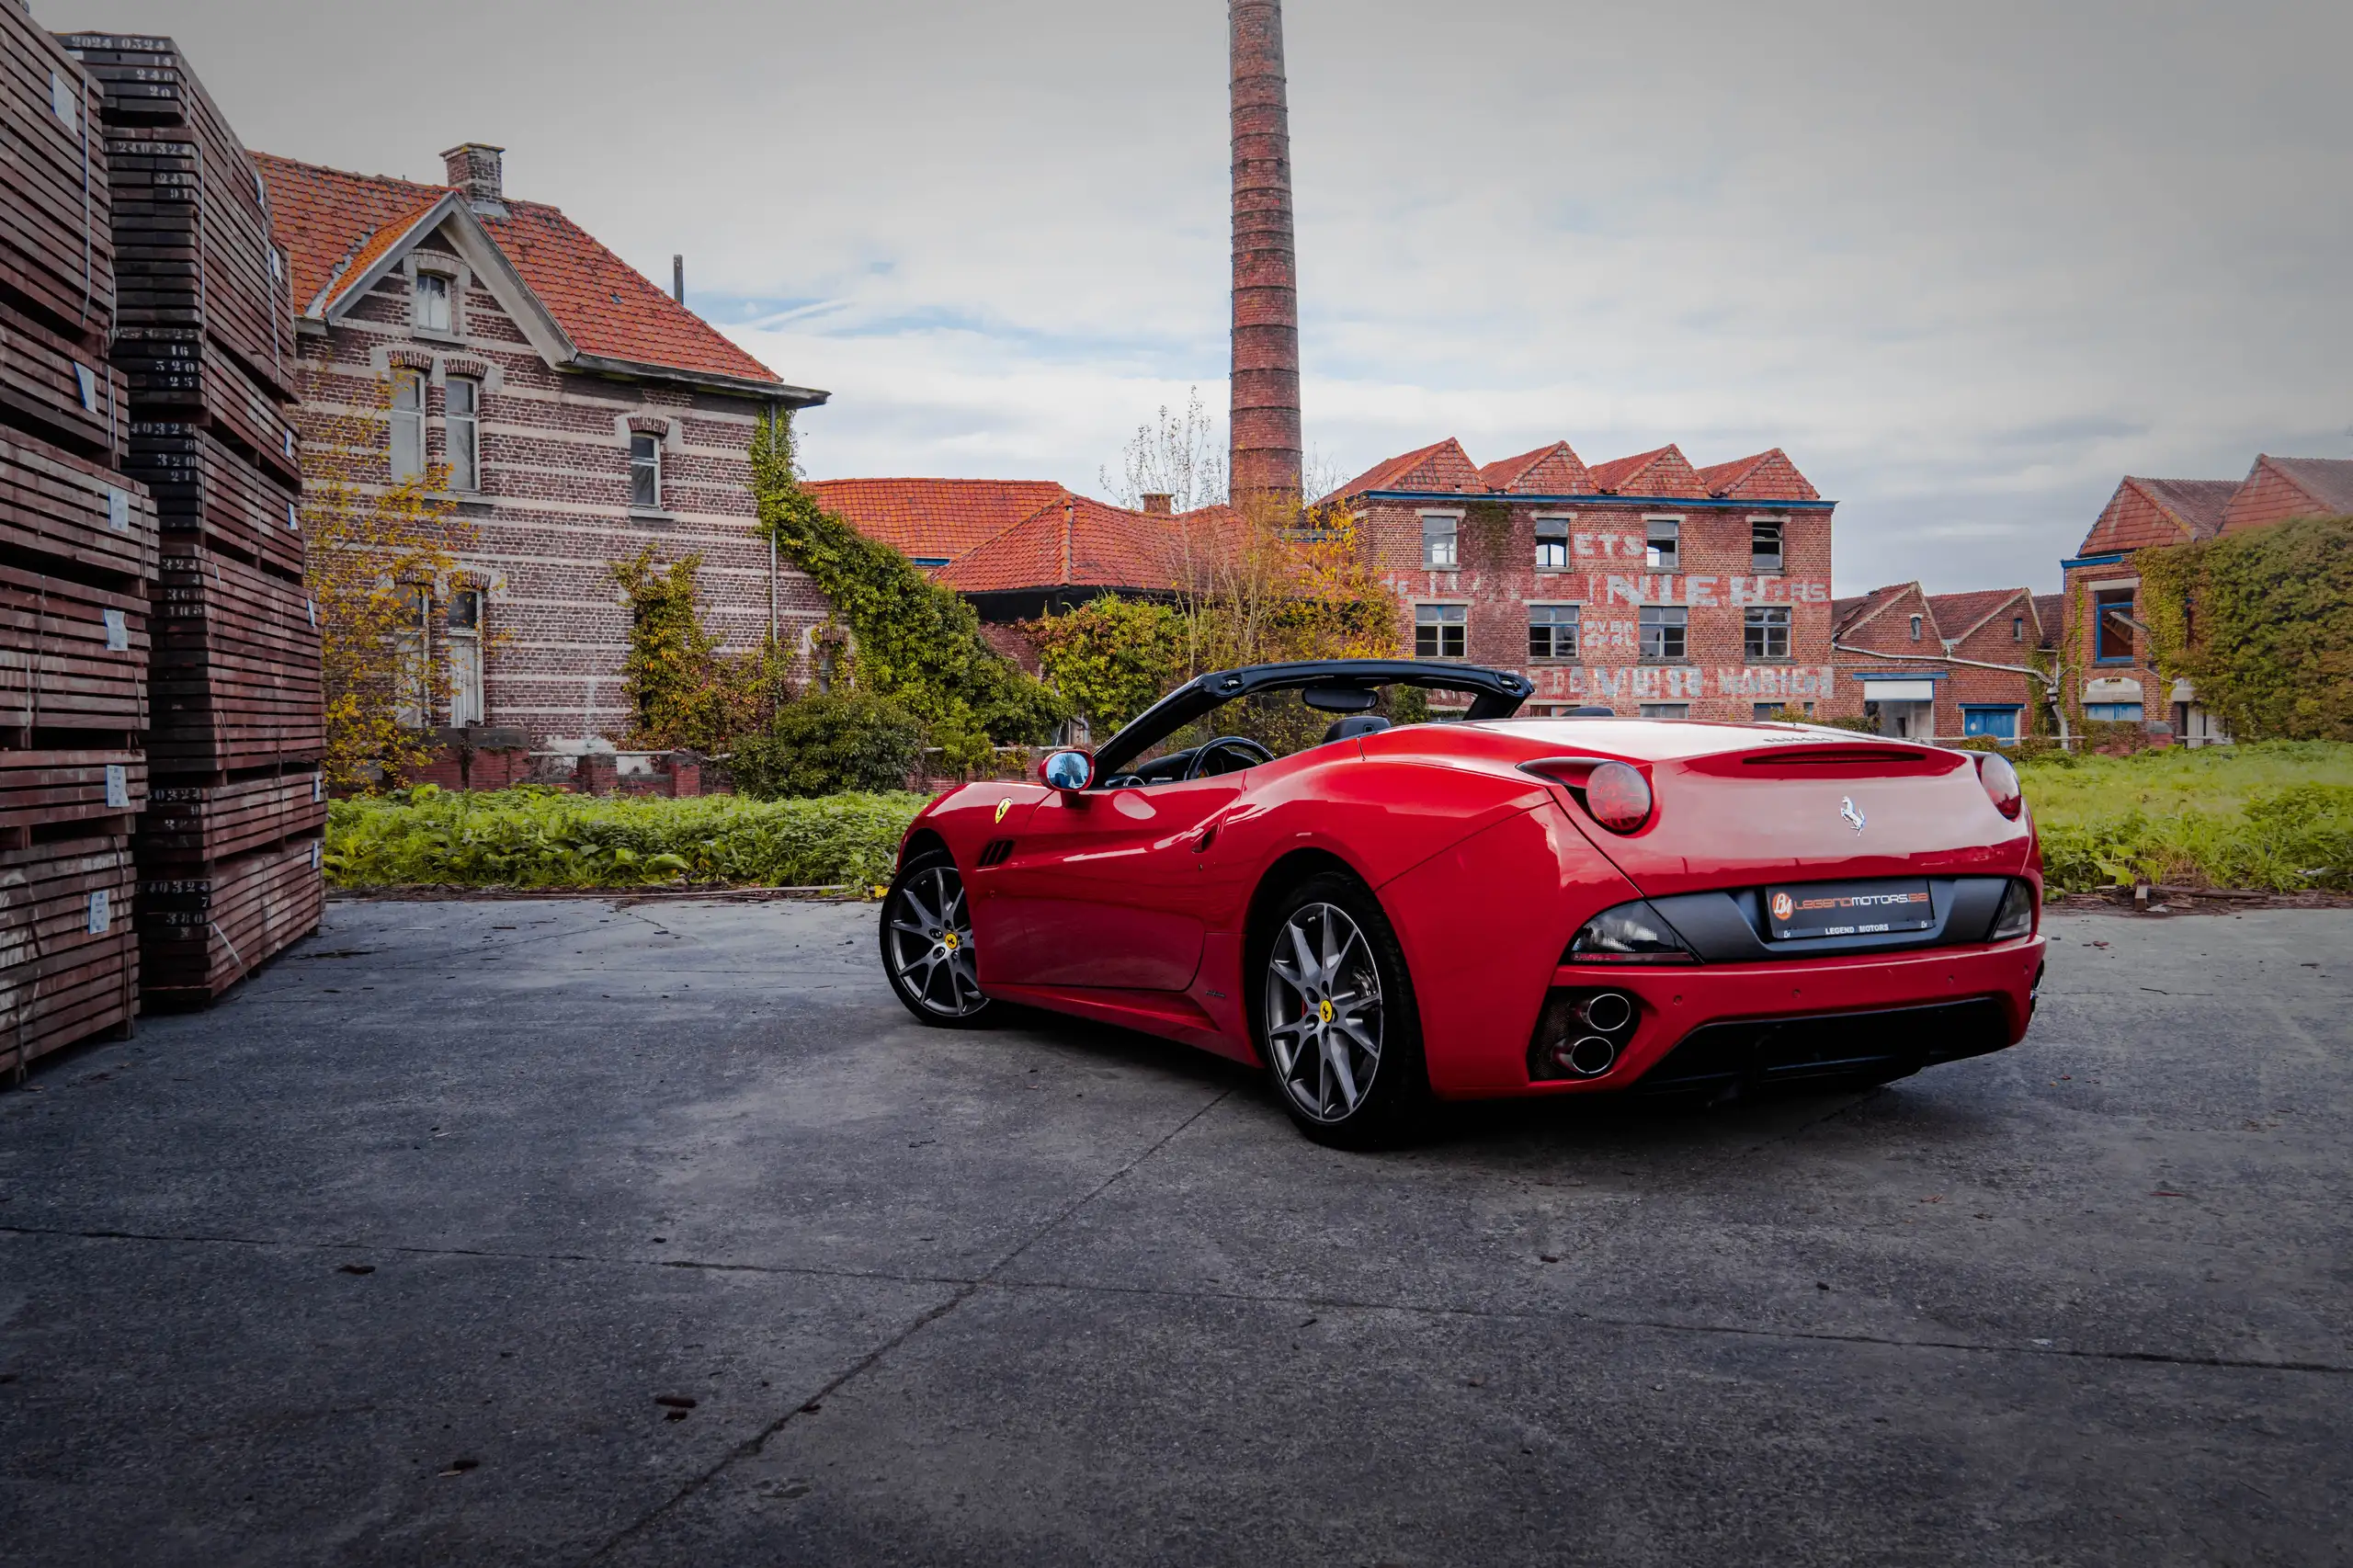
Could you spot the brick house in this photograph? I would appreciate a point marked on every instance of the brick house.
(1644, 584)
(1917, 663)
(583, 414)
(2118, 680)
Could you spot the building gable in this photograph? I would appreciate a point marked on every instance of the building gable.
(1556, 469)
(2278, 488)
(1664, 473)
(1440, 466)
(1768, 476)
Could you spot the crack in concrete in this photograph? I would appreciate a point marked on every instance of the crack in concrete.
(752, 1445)
(967, 1285)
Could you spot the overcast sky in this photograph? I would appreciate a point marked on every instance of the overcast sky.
(1968, 263)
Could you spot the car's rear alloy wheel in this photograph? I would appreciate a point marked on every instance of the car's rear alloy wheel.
(1338, 1012)
(927, 942)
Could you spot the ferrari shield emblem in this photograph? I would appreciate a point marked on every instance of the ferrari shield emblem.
(1003, 806)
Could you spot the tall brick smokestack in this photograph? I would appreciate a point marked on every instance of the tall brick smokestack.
(1265, 456)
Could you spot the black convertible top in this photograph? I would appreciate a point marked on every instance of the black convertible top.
(1497, 694)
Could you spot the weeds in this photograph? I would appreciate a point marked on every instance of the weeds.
(2276, 817)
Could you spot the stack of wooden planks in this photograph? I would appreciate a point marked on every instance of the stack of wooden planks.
(77, 565)
(230, 849)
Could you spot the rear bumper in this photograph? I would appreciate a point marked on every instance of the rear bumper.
(1704, 1027)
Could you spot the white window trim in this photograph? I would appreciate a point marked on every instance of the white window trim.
(481, 391)
(1568, 521)
(1678, 519)
(455, 273)
(660, 474)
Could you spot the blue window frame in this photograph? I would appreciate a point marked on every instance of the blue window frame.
(2001, 724)
(2113, 712)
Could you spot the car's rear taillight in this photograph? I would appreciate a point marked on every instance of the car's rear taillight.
(2015, 917)
(2001, 781)
(1628, 933)
(1614, 794)
(1617, 797)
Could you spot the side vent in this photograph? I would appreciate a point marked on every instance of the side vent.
(994, 852)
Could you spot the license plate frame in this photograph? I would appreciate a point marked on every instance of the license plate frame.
(1880, 906)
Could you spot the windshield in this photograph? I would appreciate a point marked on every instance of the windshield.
(1270, 724)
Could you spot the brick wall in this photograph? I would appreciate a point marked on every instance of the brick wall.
(1606, 576)
(552, 510)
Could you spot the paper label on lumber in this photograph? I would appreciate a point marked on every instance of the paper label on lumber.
(62, 98)
(117, 509)
(117, 784)
(101, 915)
(118, 630)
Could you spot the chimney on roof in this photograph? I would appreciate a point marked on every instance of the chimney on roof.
(1265, 456)
(678, 279)
(475, 169)
(1159, 506)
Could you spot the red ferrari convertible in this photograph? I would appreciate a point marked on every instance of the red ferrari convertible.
(1290, 866)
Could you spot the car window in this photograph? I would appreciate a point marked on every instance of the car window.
(1278, 721)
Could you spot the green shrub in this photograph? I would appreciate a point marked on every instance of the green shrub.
(827, 744)
(546, 838)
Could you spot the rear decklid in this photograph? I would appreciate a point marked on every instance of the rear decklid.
(1736, 806)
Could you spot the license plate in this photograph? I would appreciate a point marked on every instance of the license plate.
(1849, 909)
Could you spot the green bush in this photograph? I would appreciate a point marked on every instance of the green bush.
(2275, 816)
(546, 838)
(827, 744)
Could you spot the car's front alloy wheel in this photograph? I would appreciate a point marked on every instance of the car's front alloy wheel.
(927, 942)
(1338, 1026)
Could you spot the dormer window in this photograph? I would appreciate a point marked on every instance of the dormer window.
(645, 472)
(1916, 629)
(429, 302)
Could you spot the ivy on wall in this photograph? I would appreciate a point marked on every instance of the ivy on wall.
(912, 640)
(2261, 624)
(682, 690)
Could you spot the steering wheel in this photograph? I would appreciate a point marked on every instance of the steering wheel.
(1248, 751)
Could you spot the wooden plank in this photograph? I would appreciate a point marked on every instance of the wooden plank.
(201, 933)
(43, 789)
(84, 516)
(52, 388)
(207, 489)
(68, 952)
(193, 825)
(71, 656)
(56, 241)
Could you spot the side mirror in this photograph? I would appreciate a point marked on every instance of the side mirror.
(1066, 771)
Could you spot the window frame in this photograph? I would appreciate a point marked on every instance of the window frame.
(2104, 599)
(468, 479)
(408, 422)
(1767, 618)
(1757, 559)
(431, 282)
(1658, 710)
(1453, 537)
(462, 647)
(1553, 625)
(1651, 558)
(1917, 623)
(1679, 625)
(1565, 525)
(1441, 622)
(653, 446)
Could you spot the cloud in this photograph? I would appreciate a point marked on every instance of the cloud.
(1968, 265)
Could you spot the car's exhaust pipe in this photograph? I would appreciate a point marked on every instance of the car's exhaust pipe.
(1589, 1056)
(1608, 1011)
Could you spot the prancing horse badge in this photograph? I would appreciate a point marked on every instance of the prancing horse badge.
(1846, 809)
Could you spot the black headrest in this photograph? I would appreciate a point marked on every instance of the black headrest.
(1355, 724)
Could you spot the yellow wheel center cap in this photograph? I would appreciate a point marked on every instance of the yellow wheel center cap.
(1323, 1010)
(948, 941)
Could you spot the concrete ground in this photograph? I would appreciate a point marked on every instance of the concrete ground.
(545, 1232)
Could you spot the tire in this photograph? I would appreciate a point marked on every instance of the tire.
(1347, 1069)
(927, 939)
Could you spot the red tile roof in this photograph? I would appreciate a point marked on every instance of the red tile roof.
(2328, 481)
(1958, 615)
(333, 225)
(934, 519)
(1849, 614)
(1768, 476)
(2051, 615)
(1441, 465)
(1079, 542)
(1663, 472)
(2196, 503)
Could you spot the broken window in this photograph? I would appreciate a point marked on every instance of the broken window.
(2112, 610)
(1441, 631)
(1663, 549)
(1552, 632)
(1764, 632)
(1663, 629)
(1440, 543)
(1765, 544)
(1551, 544)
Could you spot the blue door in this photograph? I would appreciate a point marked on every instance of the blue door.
(2002, 724)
